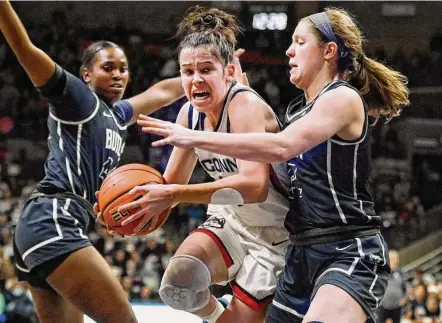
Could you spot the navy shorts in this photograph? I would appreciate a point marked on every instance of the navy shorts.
(48, 230)
(359, 266)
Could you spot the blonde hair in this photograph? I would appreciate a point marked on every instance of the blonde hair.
(384, 89)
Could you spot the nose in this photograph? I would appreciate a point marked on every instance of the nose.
(197, 78)
(290, 52)
(116, 74)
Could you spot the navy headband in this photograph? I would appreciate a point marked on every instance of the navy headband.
(321, 21)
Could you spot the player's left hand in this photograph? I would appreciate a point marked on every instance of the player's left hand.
(239, 75)
(174, 134)
(101, 220)
(157, 198)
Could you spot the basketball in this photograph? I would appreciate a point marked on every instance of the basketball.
(114, 193)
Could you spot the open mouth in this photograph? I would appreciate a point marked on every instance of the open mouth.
(117, 86)
(200, 95)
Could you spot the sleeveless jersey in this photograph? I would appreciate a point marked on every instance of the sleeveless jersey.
(272, 212)
(329, 183)
(86, 136)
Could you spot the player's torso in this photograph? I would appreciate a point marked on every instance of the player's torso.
(272, 212)
(329, 182)
(84, 152)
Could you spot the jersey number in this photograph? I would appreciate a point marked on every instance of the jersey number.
(108, 165)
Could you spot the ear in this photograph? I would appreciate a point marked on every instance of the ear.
(230, 72)
(86, 75)
(330, 50)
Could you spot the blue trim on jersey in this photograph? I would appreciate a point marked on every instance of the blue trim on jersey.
(201, 119)
(190, 117)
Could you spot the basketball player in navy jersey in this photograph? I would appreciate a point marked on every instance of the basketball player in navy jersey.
(244, 240)
(337, 263)
(87, 129)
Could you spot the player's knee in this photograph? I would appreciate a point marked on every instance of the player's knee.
(185, 284)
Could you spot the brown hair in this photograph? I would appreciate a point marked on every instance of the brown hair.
(212, 27)
(384, 89)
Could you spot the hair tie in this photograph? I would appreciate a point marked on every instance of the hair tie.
(207, 20)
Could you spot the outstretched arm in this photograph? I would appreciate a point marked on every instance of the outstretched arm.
(37, 64)
(157, 96)
(333, 112)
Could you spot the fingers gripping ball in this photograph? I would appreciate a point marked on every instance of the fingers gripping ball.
(114, 193)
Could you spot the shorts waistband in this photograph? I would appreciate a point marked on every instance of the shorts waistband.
(84, 203)
(334, 234)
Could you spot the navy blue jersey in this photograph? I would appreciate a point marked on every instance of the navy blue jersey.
(329, 183)
(86, 136)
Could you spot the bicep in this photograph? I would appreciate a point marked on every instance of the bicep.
(330, 114)
(249, 116)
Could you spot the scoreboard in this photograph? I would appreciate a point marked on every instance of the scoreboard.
(265, 15)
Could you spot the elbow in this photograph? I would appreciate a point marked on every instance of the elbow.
(257, 193)
(262, 196)
(281, 154)
(281, 149)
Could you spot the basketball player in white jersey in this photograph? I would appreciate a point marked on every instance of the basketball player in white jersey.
(244, 240)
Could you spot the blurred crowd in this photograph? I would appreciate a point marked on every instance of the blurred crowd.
(140, 262)
(414, 299)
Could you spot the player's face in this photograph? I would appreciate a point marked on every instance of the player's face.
(306, 57)
(204, 78)
(109, 75)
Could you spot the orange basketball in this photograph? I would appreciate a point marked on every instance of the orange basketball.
(114, 193)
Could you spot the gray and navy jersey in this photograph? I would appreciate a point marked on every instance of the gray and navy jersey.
(271, 212)
(329, 183)
(86, 136)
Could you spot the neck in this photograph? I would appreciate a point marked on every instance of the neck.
(320, 81)
(214, 115)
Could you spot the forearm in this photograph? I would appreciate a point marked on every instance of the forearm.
(166, 92)
(36, 63)
(12, 28)
(251, 191)
(260, 147)
(154, 98)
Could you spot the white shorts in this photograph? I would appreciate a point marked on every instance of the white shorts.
(254, 256)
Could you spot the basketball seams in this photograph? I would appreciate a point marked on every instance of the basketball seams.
(126, 168)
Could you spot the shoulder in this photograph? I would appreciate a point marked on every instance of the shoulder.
(344, 95)
(248, 112)
(247, 102)
(123, 111)
(341, 100)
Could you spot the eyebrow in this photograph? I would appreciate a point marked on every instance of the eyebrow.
(113, 61)
(200, 63)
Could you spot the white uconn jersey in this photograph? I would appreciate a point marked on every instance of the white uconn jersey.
(272, 212)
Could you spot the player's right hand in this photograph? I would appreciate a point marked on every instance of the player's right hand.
(174, 134)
